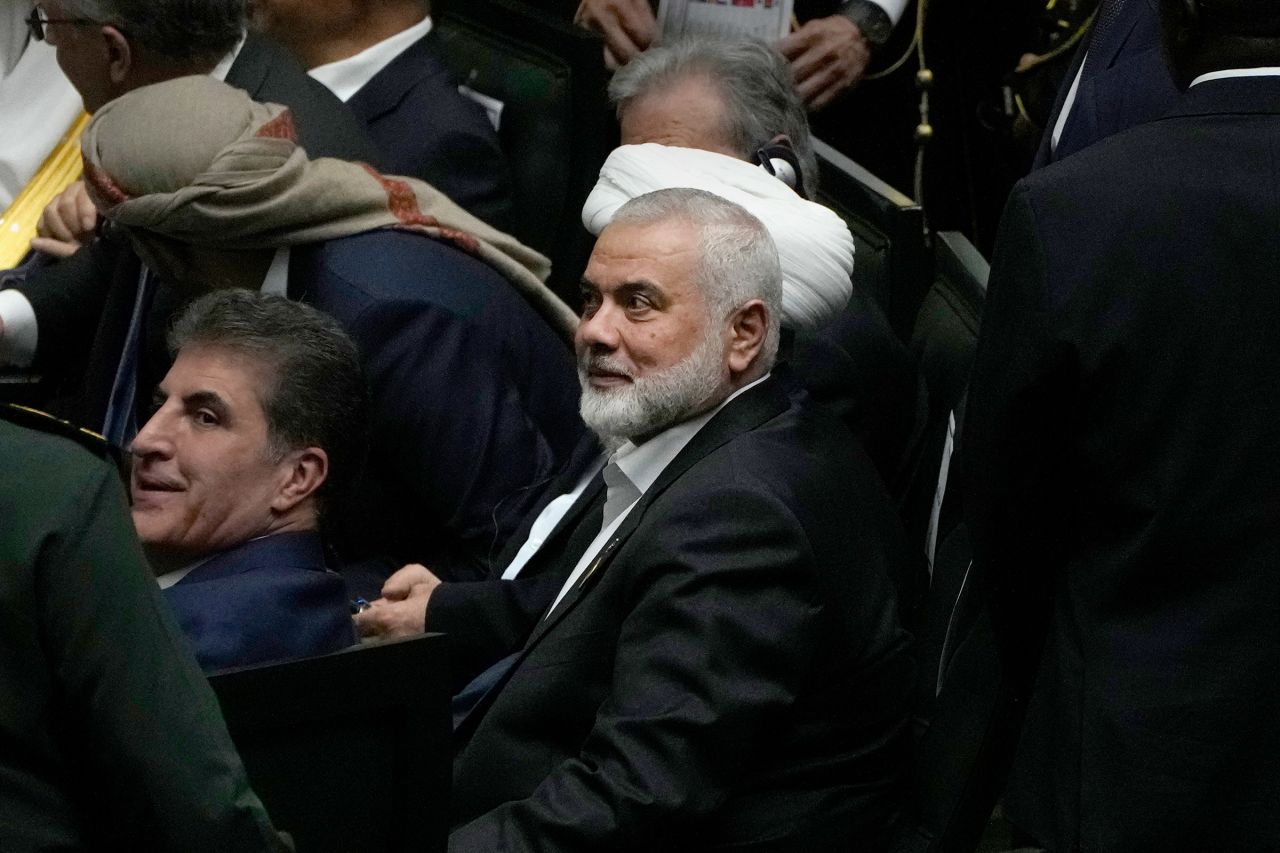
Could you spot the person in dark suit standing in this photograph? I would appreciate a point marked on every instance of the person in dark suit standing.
(1119, 77)
(112, 738)
(1121, 463)
(721, 663)
(379, 58)
(255, 428)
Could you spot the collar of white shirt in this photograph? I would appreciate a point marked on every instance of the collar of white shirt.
(642, 464)
(169, 579)
(347, 76)
(1264, 71)
(223, 68)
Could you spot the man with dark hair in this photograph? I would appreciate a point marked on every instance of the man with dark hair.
(472, 392)
(258, 421)
(1120, 463)
(379, 57)
(112, 738)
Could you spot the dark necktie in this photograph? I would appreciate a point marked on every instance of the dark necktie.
(586, 530)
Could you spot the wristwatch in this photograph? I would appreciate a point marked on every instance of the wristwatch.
(871, 19)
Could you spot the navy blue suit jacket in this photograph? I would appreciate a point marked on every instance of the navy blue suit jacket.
(269, 599)
(1129, 82)
(425, 129)
(1120, 480)
(475, 398)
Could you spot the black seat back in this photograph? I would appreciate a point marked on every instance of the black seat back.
(556, 127)
(349, 751)
(891, 256)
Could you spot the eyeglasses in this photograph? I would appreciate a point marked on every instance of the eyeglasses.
(39, 19)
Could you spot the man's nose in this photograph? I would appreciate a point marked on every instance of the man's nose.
(153, 439)
(599, 330)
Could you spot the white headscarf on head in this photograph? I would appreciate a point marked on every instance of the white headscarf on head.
(815, 247)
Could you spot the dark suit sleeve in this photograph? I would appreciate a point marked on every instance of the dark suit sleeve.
(488, 620)
(452, 414)
(68, 297)
(1017, 424)
(164, 771)
(699, 680)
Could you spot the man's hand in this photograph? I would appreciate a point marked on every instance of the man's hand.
(402, 610)
(628, 27)
(68, 222)
(827, 56)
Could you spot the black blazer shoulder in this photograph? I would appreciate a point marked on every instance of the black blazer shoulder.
(426, 129)
(326, 127)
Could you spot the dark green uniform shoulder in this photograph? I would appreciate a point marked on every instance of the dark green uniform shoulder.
(39, 421)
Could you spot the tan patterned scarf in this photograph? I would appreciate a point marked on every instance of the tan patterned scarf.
(193, 161)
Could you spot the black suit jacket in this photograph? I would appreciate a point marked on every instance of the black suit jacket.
(325, 126)
(490, 619)
(730, 671)
(1121, 469)
(426, 129)
(1129, 83)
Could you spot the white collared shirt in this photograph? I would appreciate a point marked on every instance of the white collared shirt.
(169, 579)
(223, 68)
(642, 465)
(347, 76)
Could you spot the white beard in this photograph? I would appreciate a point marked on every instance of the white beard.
(649, 404)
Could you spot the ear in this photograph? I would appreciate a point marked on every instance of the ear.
(305, 471)
(747, 329)
(120, 57)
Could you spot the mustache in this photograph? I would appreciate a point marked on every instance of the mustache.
(599, 362)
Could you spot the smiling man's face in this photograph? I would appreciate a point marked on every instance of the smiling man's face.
(649, 353)
(203, 476)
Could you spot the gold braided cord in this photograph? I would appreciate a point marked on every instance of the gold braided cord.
(1062, 48)
(63, 166)
(916, 47)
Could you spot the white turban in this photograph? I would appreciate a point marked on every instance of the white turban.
(815, 247)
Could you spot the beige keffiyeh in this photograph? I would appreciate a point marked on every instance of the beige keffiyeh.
(815, 247)
(194, 161)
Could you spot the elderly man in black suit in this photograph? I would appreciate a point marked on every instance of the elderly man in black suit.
(1121, 463)
(720, 662)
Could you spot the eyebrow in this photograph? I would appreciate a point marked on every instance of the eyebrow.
(644, 286)
(209, 400)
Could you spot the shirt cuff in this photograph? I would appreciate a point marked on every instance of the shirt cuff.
(875, 18)
(18, 343)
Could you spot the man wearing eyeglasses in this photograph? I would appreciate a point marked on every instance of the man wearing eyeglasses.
(107, 48)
